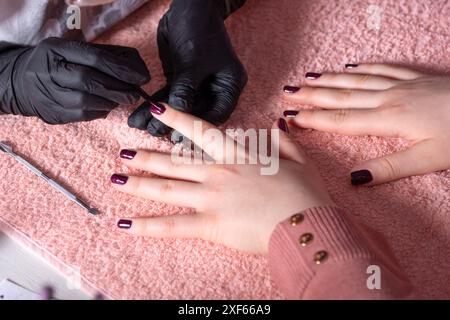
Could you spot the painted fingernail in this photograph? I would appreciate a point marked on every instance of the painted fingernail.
(361, 177)
(350, 66)
(127, 154)
(282, 124)
(157, 108)
(290, 89)
(290, 113)
(313, 75)
(124, 224)
(119, 179)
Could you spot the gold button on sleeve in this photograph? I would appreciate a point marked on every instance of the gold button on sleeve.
(296, 219)
(305, 239)
(320, 257)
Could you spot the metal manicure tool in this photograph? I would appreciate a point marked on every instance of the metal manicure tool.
(8, 150)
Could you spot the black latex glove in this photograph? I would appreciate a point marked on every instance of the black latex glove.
(62, 81)
(204, 75)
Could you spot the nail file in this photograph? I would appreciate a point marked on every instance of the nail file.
(8, 150)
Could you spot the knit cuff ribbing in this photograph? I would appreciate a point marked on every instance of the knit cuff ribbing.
(300, 245)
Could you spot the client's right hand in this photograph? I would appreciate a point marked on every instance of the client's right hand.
(236, 205)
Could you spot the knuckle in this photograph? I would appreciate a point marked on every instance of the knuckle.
(341, 116)
(331, 77)
(398, 92)
(210, 232)
(145, 157)
(344, 94)
(169, 225)
(363, 79)
(174, 166)
(172, 117)
(308, 116)
(136, 185)
(147, 227)
(397, 109)
(308, 93)
(166, 187)
(204, 204)
(389, 167)
(226, 172)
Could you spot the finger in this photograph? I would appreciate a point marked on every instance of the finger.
(288, 148)
(348, 121)
(183, 91)
(166, 165)
(82, 101)
(385, 70)
(126, 65)
(157, 129)
(179, 226)
(82, 78)
(164, 49)
(351, 81)
(74, 115)
(414, 161)
(226, 88)
(205, 135)
(95, 115)
(141, 117)
(336, 98)
(178, 193)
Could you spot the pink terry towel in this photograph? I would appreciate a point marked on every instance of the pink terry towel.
(278, 42)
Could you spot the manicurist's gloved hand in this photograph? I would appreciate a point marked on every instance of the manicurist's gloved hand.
(62, 81)
(204, 75)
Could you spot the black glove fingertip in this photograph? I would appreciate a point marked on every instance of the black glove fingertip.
(157, 129)
(140, 118)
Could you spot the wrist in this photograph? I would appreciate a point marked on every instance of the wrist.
(309, 241)
(274, 221)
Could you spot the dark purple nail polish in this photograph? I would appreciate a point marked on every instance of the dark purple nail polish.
(157, 108)
(124, 224)
(290, 89)
(290, 113)
(313, 75)
(361, 177)
(282, 124)
(350, 66)
(119, 179)
(127, 154)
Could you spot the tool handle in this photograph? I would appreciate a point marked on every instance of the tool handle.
(28, 165)
(58, 187)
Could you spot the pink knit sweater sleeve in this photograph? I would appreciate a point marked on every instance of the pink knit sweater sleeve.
(319, 254)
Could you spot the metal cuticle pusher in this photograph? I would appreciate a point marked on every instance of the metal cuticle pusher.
(8, 150)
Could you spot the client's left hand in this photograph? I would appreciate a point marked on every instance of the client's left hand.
(381, 100)
(235, 204)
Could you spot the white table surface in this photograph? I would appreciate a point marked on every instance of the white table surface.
(25, 268)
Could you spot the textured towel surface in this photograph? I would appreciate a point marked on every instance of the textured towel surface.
(278, 42)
